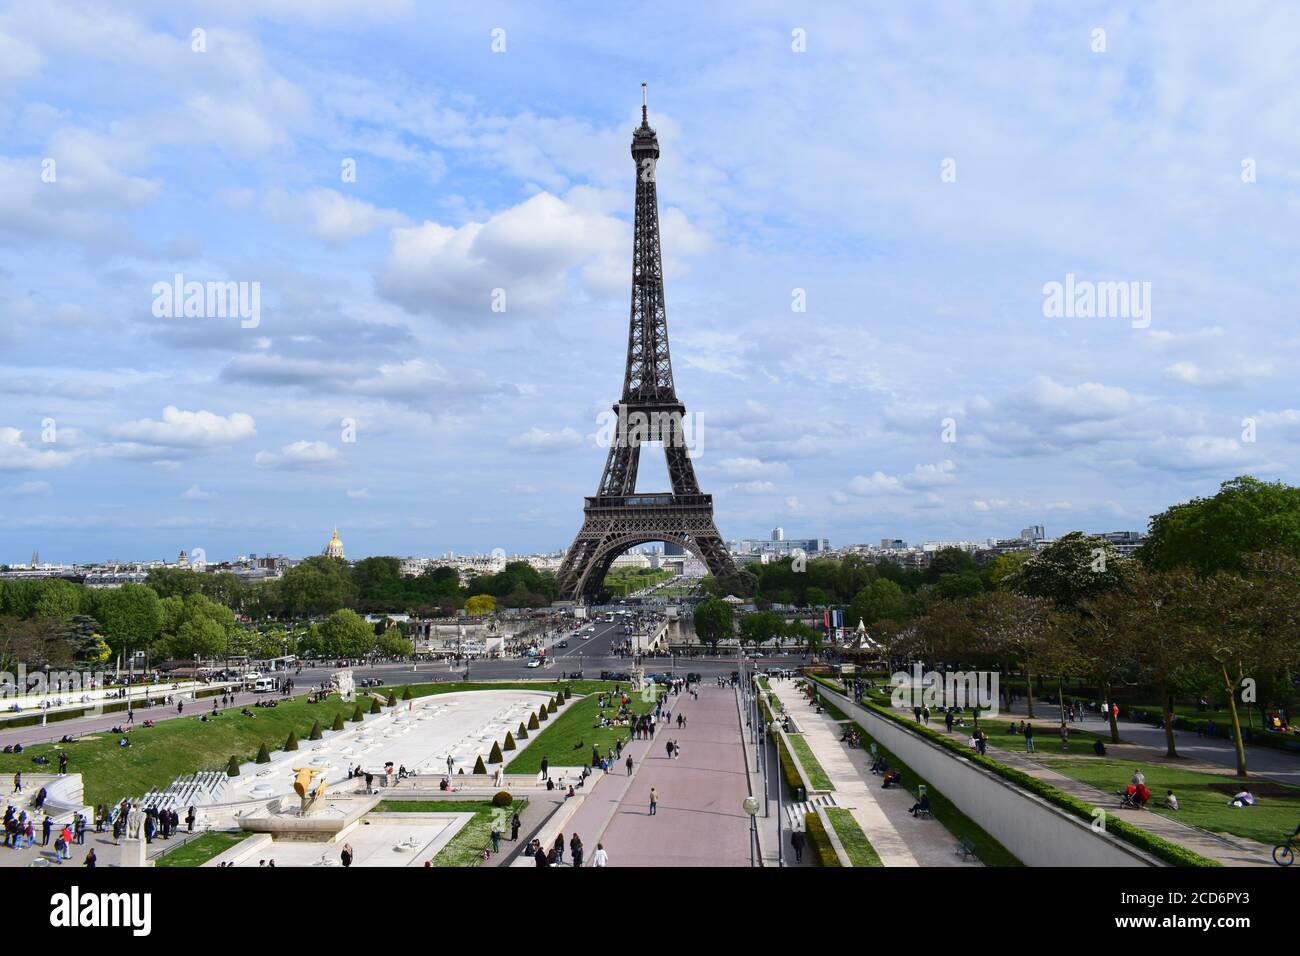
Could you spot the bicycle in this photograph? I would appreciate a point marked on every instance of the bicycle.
(1284, 854)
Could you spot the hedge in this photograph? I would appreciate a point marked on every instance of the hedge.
(788, 770)
(1157, 846)
(819, 842)
(502, 798)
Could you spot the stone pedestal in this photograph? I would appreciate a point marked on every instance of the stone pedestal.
(132, 853)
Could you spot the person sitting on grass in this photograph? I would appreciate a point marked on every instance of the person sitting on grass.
(921, 806)
(1171, 802)
(1098, 747)
(1242, 799)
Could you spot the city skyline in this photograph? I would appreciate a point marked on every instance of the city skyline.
(926, 280)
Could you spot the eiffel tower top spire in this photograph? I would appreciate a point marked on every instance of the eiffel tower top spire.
(649, 377)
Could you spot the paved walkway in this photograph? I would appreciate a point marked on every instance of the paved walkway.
(699, 820)
(1227, 849)
(899, 838)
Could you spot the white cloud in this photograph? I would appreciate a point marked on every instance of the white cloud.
(18, 455)
(196, 493)
(538, 440)
(179, 428)
(330, 216)
(298, 455)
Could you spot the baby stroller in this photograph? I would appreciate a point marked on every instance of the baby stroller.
(1134, 797)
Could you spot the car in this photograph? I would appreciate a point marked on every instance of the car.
(586, 637)
(535, 662)
(562, 644)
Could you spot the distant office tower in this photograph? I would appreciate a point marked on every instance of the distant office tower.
(778, 534)
(893, 544)
(1035, 532)
(672, 550)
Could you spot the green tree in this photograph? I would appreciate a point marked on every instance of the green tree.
(346, 634)
(318, 585)
(1070, 569)
(480, 604)
(879, 600)
(714, 621)
(132, 616)
(1246, 517)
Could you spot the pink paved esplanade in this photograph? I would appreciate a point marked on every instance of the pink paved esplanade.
(699, 820)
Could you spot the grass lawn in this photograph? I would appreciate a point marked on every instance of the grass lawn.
(567, 738)
(1203, 797)
(201, 849)
(856, 844)
(466, 847)
(816, 775)
(159, 754)
(989, 850)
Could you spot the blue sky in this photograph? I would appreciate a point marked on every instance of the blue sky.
(820, 171)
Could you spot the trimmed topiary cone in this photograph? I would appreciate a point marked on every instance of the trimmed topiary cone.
(541, 714)
(495, 755)
(232, 768)
(522, 732)
(551, 708)
(532, 721)
(568, 692)
(406, 694)
(509, 743)
(291, 743)
(317, 732)
(478, 766)
(338, 722)
(392, 700)
(357, 716)
(374, 706)
(263, 755)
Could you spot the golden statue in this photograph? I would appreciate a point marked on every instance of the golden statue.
(302, 785)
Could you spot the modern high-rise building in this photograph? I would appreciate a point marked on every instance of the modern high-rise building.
(1035, 532)
(778, 534)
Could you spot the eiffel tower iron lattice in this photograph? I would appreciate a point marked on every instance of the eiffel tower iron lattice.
(617, 518)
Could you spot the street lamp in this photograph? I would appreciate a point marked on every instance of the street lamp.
(750, 806)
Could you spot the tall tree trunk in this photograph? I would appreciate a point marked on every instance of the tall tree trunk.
(1029, 695)
(1237, 741)
(1110, 712)
(1167, 699)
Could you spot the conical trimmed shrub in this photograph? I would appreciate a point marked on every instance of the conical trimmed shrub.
(522, 732)
(292, 742)
(392, 699)
(551, 708)
(568, 692)
(495, 755)
(232, 768)
(338, 722)
(374, 706)
(406, 694)
(541, 714)
(478, 766)
(263, 755)
(317, 732)
(509, 743)
(357, 716)
(532, 722)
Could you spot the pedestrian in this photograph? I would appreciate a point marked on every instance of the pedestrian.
(601, 858)
(629, 765)
(91, 859)
(677, 750)
(18, 782)
(654, 801)
(1029, 739)
(496, 838)
(797, 841)
(546, 765)
(575, 849)
(669, 747)
(189, 818)
(46, 825)
(346, 855)
(559, 849)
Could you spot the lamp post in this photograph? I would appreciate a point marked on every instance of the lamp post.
(750, 806)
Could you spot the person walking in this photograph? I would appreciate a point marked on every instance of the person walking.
(669, 747)
(559, 849)
(546, 766)
(600, 858)
(190, 816)
(46, 825)
(346, 855)
(91, 859)
(496, 838)
(18, 782)
(654, 801)
(575, 849)
(629, 765)
(514, 828)
(797, 841)
(1029, 739)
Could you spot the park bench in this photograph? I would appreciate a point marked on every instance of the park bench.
(967, 849)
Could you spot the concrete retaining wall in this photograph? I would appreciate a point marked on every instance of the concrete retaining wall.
(1036, 831)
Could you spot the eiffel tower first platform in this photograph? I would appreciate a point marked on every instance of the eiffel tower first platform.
(617, 518)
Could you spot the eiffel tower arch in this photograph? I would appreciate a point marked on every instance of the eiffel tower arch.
(617, 517)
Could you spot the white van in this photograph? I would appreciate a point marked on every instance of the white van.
(264, 685)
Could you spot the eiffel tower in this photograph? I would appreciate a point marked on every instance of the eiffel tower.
(617, 518)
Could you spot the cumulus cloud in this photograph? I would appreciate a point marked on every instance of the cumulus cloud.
(16, 454)
(330, 216)
(298, 455)
(179, 428)
(539, 440)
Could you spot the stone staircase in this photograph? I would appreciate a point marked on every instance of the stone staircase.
(197, 789)
(796, 812)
